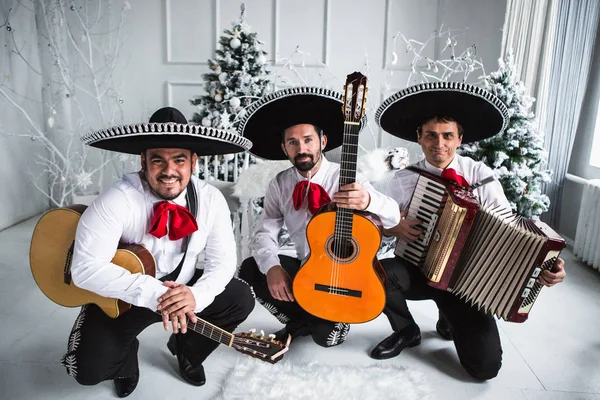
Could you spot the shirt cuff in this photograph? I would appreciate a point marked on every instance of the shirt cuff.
(150, 292)
(202, 299)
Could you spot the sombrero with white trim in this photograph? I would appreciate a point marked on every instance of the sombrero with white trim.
(267, 118)
(481, 114)
(168, 128)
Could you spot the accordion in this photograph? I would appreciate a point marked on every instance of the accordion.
(485, 255)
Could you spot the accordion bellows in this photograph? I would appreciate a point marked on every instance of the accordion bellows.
(486, 255)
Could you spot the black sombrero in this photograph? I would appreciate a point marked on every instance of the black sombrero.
(481, 114)
(267, 118)
(167, 128)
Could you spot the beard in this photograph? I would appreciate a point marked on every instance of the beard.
(163, 192)
(304, 165)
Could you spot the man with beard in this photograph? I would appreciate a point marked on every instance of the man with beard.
(298, 124)
(176, 217)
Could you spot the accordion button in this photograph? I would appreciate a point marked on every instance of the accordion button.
(526, 292)
(536, 272)
(531, 282)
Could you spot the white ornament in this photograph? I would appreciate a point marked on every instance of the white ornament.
(218, 97)
(261, 59)
(215, 114)
(246, 78)
(235, 43)
(394, 58)
(206, 121)
(228, 157)
(222, 77)
(235, 102)
(50, 122)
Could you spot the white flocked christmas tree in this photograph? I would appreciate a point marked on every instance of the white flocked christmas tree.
(517, 155)
(238, 75)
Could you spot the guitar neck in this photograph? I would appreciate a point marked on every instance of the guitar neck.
(211, 331)
(343, 224)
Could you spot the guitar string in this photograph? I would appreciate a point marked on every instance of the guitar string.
(348, 217)
(339, 221)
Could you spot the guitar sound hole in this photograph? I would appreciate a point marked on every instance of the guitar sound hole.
(342, 248)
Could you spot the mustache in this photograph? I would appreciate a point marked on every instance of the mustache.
(299, 156)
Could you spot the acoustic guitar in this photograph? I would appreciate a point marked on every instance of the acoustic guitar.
(50, 258)
(341, 279)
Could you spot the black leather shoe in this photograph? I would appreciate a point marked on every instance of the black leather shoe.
(391, 346)
(443, 328)
(192, 374)
(125, 386)
(293, 329)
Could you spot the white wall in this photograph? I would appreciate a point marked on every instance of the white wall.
(18, 197)
(168, 42)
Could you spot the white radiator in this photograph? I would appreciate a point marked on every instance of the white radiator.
(587, 237)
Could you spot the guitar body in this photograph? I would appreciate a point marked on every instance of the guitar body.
(50, 257)
(341, 285)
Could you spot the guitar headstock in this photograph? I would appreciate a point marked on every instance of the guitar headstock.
(264, 348)
(355, 97)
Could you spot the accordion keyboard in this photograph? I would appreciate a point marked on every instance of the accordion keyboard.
(428, 199)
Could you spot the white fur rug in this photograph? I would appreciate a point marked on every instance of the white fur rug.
(256, 380)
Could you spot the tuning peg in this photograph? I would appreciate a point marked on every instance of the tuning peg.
(252, 331)
(262, 334)
(272, 337)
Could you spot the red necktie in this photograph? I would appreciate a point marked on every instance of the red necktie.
(317, 196)
(451, 175)
(181, 224)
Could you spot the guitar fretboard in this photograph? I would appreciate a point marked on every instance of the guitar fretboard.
(343, 218)
(210, 331)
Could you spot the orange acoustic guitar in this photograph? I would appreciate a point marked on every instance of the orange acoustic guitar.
(50, 257)
(341, 279)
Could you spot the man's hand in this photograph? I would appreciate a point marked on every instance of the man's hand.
(176, 305)
(280, 284)
(406, 229)
(555, 275)
(352, 196)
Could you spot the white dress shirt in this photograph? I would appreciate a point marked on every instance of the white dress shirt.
(279, 209)
(473, 171)
(123, 214)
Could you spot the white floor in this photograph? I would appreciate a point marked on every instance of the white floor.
(555, 355)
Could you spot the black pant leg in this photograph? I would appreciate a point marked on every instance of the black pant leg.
(102, 348)
(229, 309)
(404, 282)
(284, 311)
(475, 335)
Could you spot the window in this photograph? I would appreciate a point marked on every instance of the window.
(595, 155)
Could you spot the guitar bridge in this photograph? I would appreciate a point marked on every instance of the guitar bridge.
(338, 290)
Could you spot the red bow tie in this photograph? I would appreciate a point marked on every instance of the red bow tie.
(181, 224)
(317, 196)
(451, 175)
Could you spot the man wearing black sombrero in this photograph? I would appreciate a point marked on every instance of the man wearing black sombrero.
(298, 124)
(440, 116)
(176, 217)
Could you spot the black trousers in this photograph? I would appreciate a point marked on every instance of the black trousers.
(324, 333)
(102, 348)
(475, 333)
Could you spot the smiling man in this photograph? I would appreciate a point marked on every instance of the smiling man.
(440, 116)
(298, 124)
(175, 216)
